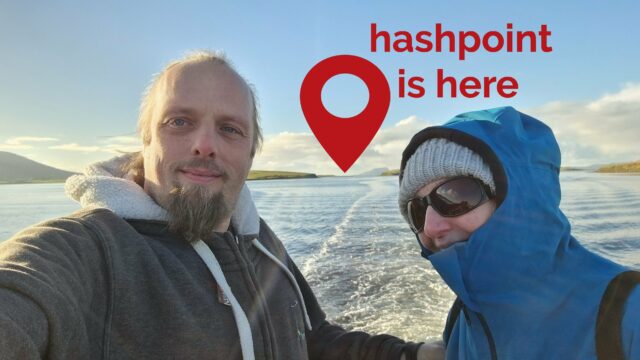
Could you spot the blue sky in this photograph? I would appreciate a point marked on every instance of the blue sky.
(72, 72)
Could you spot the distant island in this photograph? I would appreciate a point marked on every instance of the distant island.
(396, 172)
(372, 172)
(393, 172)
(18, 169)
(271, 175)
(632, 167)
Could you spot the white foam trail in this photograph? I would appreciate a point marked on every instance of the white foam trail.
(337, 237)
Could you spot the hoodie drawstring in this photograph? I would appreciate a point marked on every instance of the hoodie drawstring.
(264, 250)
(244, 329)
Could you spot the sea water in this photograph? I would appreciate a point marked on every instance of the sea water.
(347, 237)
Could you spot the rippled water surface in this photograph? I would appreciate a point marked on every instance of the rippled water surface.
(347, 237)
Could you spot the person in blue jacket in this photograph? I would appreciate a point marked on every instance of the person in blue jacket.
(482, 195)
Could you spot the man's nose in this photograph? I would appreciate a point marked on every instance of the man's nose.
(206, 142)
(435, 225)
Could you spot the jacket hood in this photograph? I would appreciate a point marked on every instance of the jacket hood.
(104, 185)
(536, 286)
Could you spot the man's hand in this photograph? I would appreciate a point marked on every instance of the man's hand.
(430, 351)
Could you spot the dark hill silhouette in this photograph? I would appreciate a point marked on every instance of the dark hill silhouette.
(18, 169)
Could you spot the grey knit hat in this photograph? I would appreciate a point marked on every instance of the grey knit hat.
(436, 159)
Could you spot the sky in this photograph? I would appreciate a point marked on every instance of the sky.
(72, 73)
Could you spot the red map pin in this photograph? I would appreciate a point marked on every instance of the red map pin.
(345, 139)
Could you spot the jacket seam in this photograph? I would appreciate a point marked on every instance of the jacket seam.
(252, 284)
(489, 336)
(106, 338)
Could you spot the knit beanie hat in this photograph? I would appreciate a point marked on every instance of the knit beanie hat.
(436, 159)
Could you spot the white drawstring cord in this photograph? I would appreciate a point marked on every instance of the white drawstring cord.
(264, 250)
(244, 329)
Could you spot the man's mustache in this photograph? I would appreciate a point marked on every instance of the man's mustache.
(205, 164)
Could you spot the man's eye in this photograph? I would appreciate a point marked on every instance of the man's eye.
(231, 130)
(178, 122)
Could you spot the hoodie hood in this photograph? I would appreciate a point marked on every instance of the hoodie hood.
(536, 286)
(104, 185)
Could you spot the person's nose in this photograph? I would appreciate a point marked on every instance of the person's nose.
(435, 225)
(206, 142)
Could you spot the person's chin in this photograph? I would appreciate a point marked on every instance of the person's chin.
(444, 243)
(428, 243)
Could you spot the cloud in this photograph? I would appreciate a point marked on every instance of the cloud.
(601, 131)
(302, 151)
(604, 130)
(19, 143)
(128, 140)
(76, 147)
(112, 145)
(293, 152)
(119, 144)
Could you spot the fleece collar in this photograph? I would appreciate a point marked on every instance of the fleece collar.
(104, 185)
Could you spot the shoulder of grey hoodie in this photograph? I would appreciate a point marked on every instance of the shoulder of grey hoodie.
(60, 280)
(47, 271)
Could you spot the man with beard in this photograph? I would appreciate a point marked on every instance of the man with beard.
(168, 257)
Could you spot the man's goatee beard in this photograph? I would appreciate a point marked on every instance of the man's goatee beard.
(194, 213)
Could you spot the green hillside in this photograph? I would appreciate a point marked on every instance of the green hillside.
(268, 175)
(394, 172)
(632, 167)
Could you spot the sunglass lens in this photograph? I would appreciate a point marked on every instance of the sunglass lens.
(457, 197)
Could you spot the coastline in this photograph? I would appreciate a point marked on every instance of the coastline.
(623, 169)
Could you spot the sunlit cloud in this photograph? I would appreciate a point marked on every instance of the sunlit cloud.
(15, 147)
(112, 145)
(293, 152)
(596, 132)
(76, 147)
(601, 131)
(22, 139)
(23, 142)
(119, 144)
(302, 151)
(131, 140)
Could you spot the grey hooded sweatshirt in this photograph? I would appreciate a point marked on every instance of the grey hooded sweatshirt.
(111, 282)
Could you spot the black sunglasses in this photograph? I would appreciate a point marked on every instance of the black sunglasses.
(452, 198)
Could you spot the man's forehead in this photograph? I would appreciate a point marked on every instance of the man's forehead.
(191, 81)
(182, 75)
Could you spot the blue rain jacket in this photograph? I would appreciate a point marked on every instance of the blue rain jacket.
(529, 289)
